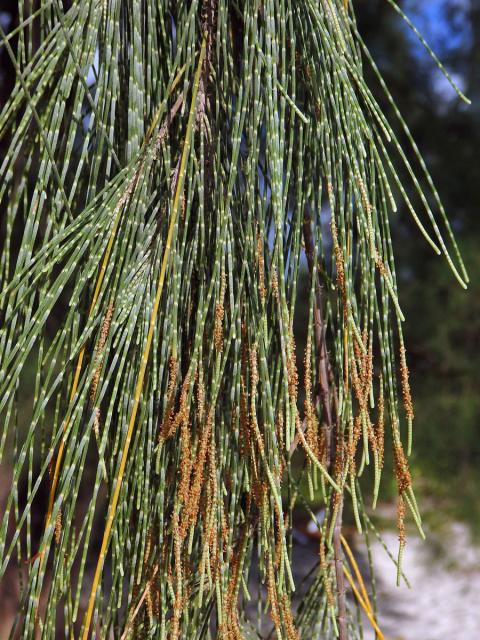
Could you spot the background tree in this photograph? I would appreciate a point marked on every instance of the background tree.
(165, 167)
(443, 338)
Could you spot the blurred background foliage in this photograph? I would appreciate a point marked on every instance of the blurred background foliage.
(443, 322)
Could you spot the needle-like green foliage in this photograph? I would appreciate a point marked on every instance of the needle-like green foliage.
(172, 170)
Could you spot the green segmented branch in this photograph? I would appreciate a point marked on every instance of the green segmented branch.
(161, 160)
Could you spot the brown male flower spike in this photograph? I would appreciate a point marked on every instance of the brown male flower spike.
(312, 426)
(219, 315)
(99, 348)
(261, 269)
(58, 526)
(292, 367)
(402, 470)
(406, 393)
(286, 609)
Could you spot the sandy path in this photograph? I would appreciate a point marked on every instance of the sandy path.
(444, 601)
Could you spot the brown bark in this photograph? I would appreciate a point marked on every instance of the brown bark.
(326, 396)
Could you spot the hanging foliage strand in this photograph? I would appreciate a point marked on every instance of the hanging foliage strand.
(173, 170)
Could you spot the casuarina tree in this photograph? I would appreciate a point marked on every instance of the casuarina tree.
(172, 170)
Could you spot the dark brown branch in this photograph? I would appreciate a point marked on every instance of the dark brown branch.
(326, 397)
(323, 390)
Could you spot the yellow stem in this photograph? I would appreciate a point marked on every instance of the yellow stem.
(364, 606)
(76, 377)
(156, 117)
(146, 351)
(358, 575)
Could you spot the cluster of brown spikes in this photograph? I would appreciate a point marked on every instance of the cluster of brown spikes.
(172, 192)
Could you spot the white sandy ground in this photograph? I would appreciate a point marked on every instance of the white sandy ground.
(444, 600)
